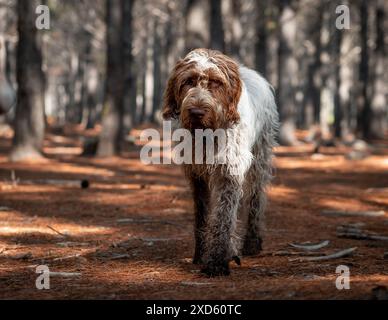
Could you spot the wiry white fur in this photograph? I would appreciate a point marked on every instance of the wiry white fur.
(257, 108)
(203, 62)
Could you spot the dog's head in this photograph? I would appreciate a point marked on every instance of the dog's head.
(203, 91)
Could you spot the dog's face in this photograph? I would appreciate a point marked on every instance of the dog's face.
(203, 91)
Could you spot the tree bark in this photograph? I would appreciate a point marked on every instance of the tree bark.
(261, 37)
(157, 70)
(312, 95)
(7, 94)
(378, 119)
(29, 120)
(287, 69)
(110, 137)
(196, 27)
(338, 107)
(364, 110)
(129, 85)
(217, 36)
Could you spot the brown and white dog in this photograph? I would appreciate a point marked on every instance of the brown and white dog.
(209, 90)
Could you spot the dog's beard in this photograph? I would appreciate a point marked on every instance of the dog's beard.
(207, 110)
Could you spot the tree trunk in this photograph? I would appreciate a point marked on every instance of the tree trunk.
(29, 119)
(129, 91)
(71, 86)
(378, 119)
(364, 110)
(110, 137)
(7, 94)
(338, 107)
(143, 81)
(157, 72)
(196, 28)
(261, 37)
(287, 69)
(312, 95)
(217, 36)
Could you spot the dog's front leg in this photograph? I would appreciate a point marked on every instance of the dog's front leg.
(225, 196)
(201, 203)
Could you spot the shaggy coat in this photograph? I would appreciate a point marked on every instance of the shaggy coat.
(208, 90)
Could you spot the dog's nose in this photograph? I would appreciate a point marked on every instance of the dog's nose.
(196, 112)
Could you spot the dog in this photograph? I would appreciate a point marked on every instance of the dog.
(209, 90)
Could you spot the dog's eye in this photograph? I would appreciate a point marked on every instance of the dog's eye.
(214, 84)
(189, 82)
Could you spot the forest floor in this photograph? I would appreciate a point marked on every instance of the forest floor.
(129, 235)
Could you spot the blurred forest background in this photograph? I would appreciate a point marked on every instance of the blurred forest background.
(111, 227)
(103, 64)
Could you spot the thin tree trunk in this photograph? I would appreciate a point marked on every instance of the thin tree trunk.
(287, 69)
(143, 106)
(338, 107)
(157, 60)
(261, 37)
(29, 119)
(217, 36)
(7, 94)
(110, 137)
(312, 96)
(129, 90)
(196, 25)
(364, 115)
(71, 84)
(378, 120)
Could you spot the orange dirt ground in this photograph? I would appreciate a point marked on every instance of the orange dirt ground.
(130, 233)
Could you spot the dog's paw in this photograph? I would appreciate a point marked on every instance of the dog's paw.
(197, 260)
(216, 269)
(252, 247)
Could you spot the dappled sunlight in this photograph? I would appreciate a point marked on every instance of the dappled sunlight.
(75, 151)
(283, 192)
(134, 223)
(67, 229)
(345, 204)
(319, 164)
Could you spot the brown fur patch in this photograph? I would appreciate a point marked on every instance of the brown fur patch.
(204, 88)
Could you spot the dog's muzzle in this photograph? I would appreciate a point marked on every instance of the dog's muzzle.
(197, 109)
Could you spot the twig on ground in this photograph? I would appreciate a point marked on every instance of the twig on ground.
(67, 257)
(309, 246)
(196, 284)
(65, 274)
(355, 233)
(336, 255)
(56, 231)
(294, 253)
(336, 213)
(132, 220)
(119, 257)
(72, 244)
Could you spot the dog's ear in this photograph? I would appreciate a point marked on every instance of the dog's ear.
(234, 90)
(232, 114)
(170, 106)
